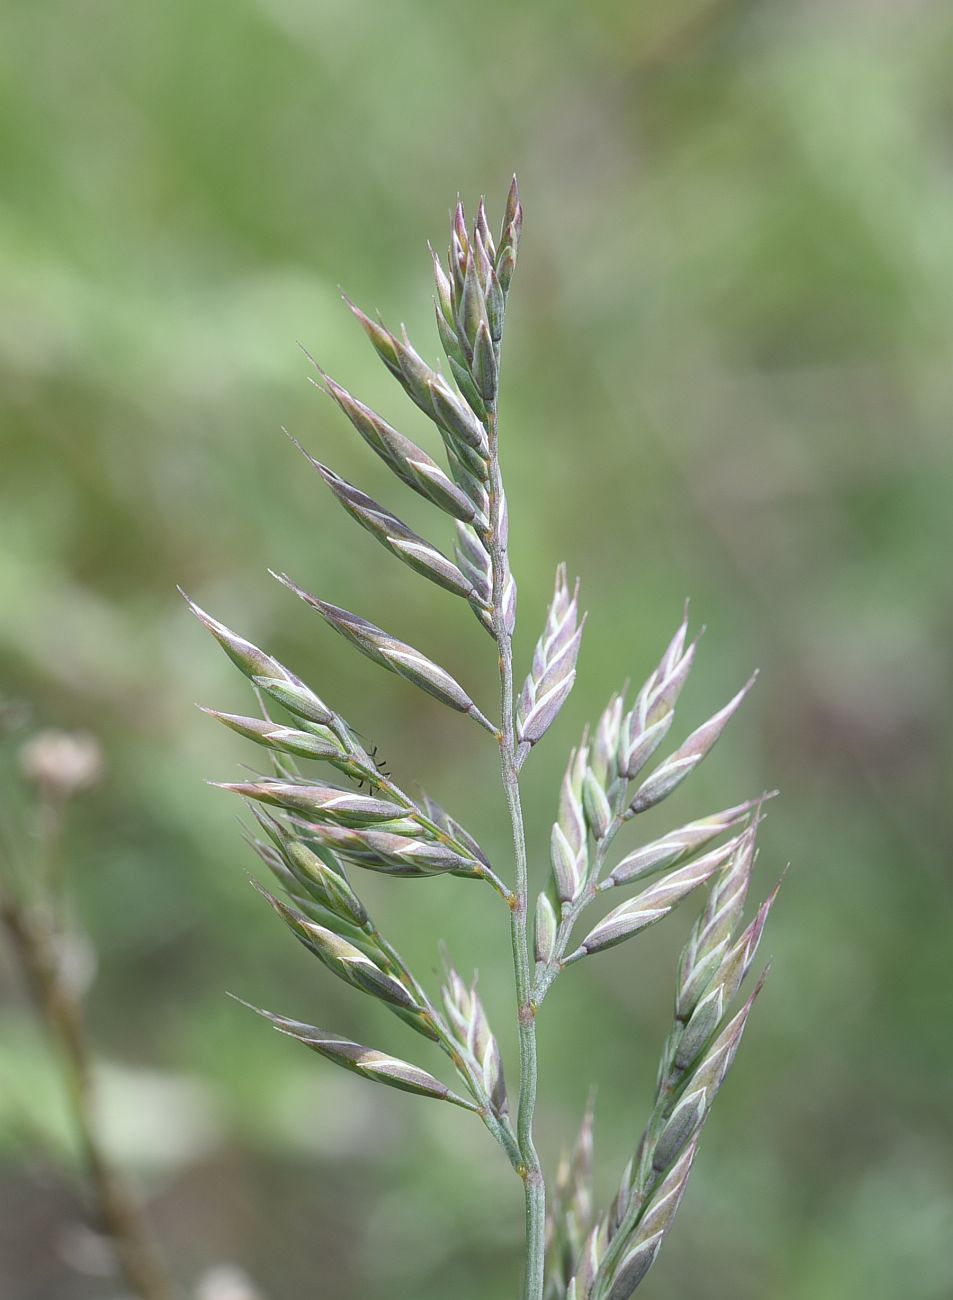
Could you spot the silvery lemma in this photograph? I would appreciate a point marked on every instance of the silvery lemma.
(313, 833)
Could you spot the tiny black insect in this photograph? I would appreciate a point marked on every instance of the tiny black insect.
(381, 766)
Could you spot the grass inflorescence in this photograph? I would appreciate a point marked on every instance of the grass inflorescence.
(317, 833)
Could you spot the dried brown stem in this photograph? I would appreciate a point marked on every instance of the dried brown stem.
(32, 941)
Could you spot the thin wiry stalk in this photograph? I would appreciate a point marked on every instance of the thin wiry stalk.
(530, 1170)
(61, 1013)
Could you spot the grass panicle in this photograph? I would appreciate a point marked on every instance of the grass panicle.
(314, 832)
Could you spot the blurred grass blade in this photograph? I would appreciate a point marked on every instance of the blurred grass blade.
(571, 1212)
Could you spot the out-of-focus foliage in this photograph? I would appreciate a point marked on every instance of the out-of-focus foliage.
(727, 374)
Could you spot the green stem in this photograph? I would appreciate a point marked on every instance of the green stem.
(530, 1169)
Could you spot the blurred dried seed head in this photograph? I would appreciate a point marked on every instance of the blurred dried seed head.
(226, 1282)
(62, 763)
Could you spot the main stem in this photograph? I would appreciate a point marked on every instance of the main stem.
(120, 1214)
(530, 1170)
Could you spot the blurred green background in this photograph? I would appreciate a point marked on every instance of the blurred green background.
(727, 376)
